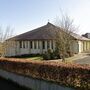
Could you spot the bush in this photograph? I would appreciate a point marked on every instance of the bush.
(71, 75)
(67, 55)
(70, 53)
(46, 56)
(49, 55)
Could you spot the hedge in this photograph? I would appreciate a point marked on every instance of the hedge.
(71, 75)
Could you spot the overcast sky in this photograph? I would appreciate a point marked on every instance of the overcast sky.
(25, 15)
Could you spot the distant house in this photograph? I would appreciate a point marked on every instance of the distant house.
(87, 35)
(41, 39)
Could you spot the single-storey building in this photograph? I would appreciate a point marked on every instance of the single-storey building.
(41, 39)
(87, 35)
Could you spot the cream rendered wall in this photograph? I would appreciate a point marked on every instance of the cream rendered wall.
(89, 45)
(13, 51)
(16, 50)
(84, 46)
(88, 48)
(38, 50)
(80, 46)
(10, 52)
(75, 46)
(10, 48)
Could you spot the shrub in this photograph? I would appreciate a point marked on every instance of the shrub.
(49, 55)
(46, 56)
(67, 55)
(73, 75)
(70, 53)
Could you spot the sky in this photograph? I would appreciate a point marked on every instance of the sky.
(25, 15)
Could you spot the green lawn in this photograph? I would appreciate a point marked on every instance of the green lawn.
(31, 57)
(35, 58)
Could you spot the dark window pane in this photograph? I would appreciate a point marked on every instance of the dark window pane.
(43, 44)
(48, 46)
(52, 44)
(31, 44)
(23, 44)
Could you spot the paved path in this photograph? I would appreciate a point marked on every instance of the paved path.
(85, 60)
(7, 85)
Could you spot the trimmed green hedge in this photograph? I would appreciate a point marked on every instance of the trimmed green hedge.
(72, 75)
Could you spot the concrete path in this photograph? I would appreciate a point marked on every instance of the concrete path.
(85, 60)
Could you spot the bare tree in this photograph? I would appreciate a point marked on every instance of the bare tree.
(64, 35)
(4, 35)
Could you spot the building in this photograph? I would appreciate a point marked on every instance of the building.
(41, 39)
(87, 35)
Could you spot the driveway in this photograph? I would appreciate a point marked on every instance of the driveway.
(82, 58)
(85, 59)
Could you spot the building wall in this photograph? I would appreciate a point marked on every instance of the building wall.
(38, 48)
(80, 43)
(84, 46)
(78, 46)
(25, 47)
(75, 46)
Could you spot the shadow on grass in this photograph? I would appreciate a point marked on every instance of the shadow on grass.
(29, 57)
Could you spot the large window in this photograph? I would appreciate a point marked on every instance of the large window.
(31, 44)
(48, 44)
(43, 44)
(20, 43)
(52, 44)
(23, 44)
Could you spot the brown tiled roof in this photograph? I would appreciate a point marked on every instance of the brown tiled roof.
(46, 32)
(87, 35)
(78, 37)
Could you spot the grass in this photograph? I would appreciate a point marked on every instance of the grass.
(30, 57)
(35, 58)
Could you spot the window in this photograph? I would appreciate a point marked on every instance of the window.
(31, 44)
(23, 44)
(48, 46)
(20, 43)
(43, 44)
(52, 44)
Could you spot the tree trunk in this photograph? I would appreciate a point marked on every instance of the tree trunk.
(63, 58)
